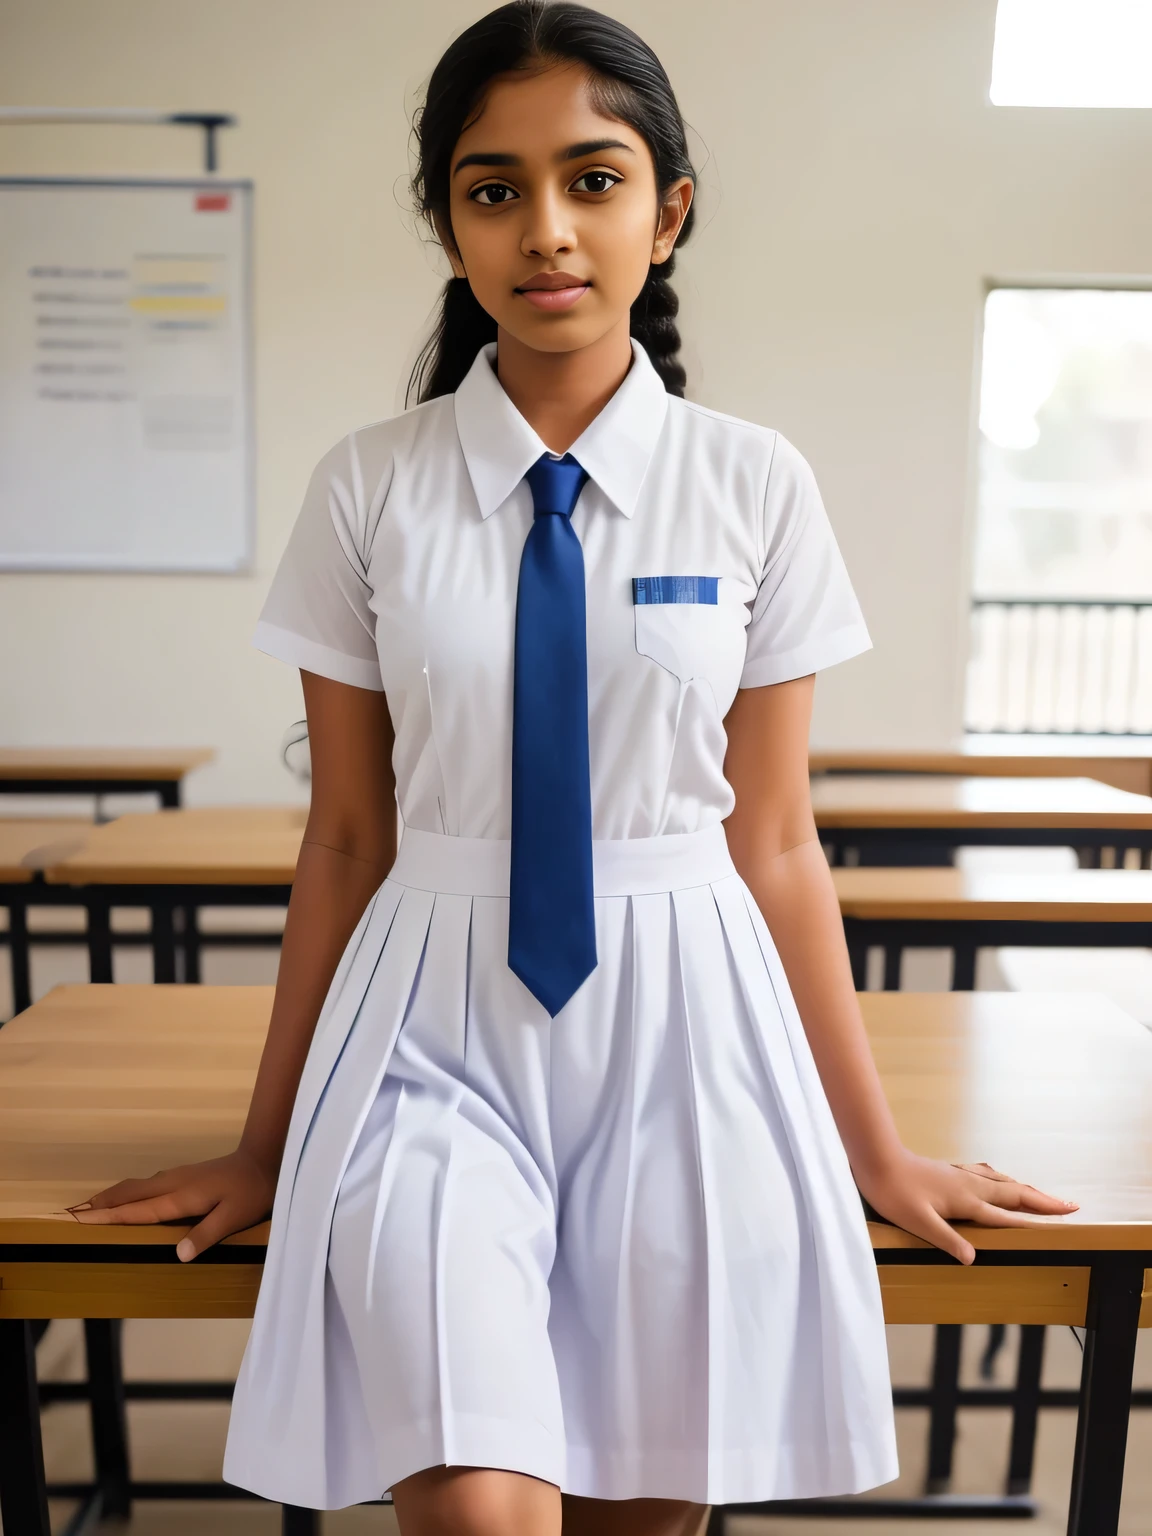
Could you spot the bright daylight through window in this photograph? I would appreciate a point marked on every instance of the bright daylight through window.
(1072, 53)
(1062, 579)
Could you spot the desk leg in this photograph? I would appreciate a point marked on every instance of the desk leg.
(963, 966)
(893, 963)
(99, 938)
(299, 1522)
(945, 1400)
(190, 943)
(997, 1333)
(19, 958)
(1105, 1397)
(163, 941)
(102, 1346)
(1026, 1408)
(23, 1502)
(858, 959)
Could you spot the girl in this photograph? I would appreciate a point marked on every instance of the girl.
(565, 1221)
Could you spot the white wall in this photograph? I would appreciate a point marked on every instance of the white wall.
(859, 192)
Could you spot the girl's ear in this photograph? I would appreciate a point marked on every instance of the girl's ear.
(444, 235)
(673, 212)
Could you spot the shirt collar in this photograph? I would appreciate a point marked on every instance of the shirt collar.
(616, 448)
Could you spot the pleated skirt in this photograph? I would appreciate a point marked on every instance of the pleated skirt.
(620, 1250)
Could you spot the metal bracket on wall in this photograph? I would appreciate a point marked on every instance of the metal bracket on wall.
(208, 122)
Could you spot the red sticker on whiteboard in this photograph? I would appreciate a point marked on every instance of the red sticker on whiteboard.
(213, 202)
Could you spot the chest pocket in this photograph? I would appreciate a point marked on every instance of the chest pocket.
(681, 625)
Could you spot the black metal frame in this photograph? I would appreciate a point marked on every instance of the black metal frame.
(167, 790)
(1104, 1400)
(964, 936)
(174, 936)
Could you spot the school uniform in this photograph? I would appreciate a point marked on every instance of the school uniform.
(618, 1248)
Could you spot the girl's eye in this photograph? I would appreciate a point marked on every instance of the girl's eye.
(492, 194)
(596, 181)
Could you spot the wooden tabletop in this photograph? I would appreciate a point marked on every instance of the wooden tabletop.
(127, 763)
(1075, 896)
(944, 800)
(259, 845)
(101, 1083)
(1123, 761)
(210, 845)
(28, 843)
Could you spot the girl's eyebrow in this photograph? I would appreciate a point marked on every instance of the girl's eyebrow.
(573, 152)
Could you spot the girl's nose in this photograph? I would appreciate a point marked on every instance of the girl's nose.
(547, 231)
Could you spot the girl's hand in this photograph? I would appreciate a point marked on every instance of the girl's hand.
(922, 1196)
(231, 1193)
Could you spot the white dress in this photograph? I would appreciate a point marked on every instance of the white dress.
(620, 1250)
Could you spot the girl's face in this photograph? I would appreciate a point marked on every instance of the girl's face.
(555, 211)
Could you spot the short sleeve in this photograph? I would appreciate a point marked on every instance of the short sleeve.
(317, 614)
(805, 615)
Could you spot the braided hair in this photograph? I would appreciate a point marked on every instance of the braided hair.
(626, 81)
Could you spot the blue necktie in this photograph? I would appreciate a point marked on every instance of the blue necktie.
(551, 918)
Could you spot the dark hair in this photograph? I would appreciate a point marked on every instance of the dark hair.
(627, 82)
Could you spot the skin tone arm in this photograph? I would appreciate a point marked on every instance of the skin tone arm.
(776, 849)
(349, 845)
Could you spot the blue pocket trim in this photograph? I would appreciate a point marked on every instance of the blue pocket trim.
(674, 589)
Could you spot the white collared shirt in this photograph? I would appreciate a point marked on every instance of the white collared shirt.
(402, 568)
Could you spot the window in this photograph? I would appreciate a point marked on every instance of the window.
(1072, 53)
(1062, 574)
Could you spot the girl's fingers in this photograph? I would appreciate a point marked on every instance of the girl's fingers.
(989, 1215)
(220, 1222)
(1014, 1196)
(163, 1207)
(1036, 1200)
(132, 1189)
(932, 1227)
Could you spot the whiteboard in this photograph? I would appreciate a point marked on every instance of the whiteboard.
(125, 375)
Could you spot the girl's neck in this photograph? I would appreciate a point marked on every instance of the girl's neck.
(560, 393)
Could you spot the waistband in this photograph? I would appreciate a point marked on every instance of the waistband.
(631, 866)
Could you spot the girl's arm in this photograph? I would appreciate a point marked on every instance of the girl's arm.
(776, 849)
(349, 846)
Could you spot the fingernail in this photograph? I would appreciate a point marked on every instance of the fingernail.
(185, 1250)
(85, 1205)
(1071, 1205)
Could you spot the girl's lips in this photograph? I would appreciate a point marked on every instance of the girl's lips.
(554, 298)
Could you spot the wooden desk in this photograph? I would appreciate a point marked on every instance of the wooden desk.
(964, 911)
(922, 818)
(103, 1083)
(99, 770)
(174, 862)
(1124, 761)
(27, 843)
